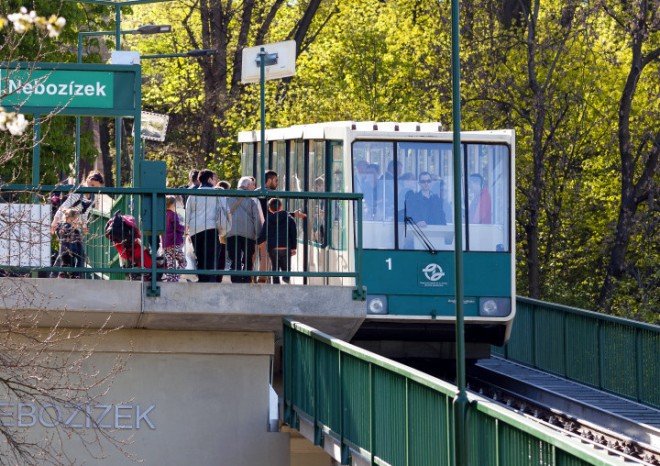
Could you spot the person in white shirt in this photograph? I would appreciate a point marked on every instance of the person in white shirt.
(207, 218)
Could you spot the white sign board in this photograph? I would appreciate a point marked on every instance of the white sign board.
(154, 126)
(285, 66)
(25, 235)
(125, 57)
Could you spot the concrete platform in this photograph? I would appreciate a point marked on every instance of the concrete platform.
(181, 306)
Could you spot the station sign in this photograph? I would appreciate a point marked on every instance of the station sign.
(40, 88)
(69, 89)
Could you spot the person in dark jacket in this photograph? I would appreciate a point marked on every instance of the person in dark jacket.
(280, 235)
(424, 207)
(271, 183)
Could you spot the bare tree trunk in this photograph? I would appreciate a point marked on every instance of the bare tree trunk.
(222, 89)
(126, 160)
(542, 92)
(533, 205)
(104, 147)
(641, 162)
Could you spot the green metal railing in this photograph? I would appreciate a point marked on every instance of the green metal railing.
(25, 209)
(394, 415)
(609, 353)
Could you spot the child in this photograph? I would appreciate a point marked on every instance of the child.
(279, 232)
(71, 252)
(173, 240)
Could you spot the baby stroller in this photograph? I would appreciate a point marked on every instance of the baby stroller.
(122, 230)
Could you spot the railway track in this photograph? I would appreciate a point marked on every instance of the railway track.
(629, 432)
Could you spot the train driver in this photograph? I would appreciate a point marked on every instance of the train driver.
(424, 207)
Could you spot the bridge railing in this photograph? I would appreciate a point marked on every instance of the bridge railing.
(391, 414)
(327, 239)
(609, 353)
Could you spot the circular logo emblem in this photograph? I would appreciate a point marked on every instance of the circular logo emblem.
(433, 272)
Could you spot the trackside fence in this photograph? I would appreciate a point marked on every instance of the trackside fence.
(609, 353)
(389, 414)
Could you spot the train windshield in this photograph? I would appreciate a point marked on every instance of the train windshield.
(408, 195)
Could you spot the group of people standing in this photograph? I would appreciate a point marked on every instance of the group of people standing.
(224, 232)
(232, 232)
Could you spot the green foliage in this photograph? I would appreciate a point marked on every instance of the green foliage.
(368, 70)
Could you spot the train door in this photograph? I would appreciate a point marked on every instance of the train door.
(336, 214)
(296, 183)
(316, 209)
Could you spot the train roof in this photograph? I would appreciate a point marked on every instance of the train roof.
(368, 129)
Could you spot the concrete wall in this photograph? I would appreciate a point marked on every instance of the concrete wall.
(183, 398)
(180, 306)
(197, 364)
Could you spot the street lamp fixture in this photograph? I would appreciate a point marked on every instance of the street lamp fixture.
(198, 53)
(201, 53)
(154, 29)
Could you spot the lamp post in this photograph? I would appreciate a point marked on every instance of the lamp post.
(263, 60)
(147, 29)
(143, 30)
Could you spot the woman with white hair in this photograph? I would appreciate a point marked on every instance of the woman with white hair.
(247, 220)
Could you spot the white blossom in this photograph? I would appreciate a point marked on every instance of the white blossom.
(23, 21)
(55, 26)
(13, 122)
(17, 125)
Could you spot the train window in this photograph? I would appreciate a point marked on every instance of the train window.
(279, 163)
(297, 169)
(425, 210)
(257, 162)
(416, 191)
(377, 215)
(488, 197)
(247, 156)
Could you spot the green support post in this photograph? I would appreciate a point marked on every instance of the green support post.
(262, 67)
(118, 27)
(461, 400)
(36, 151)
